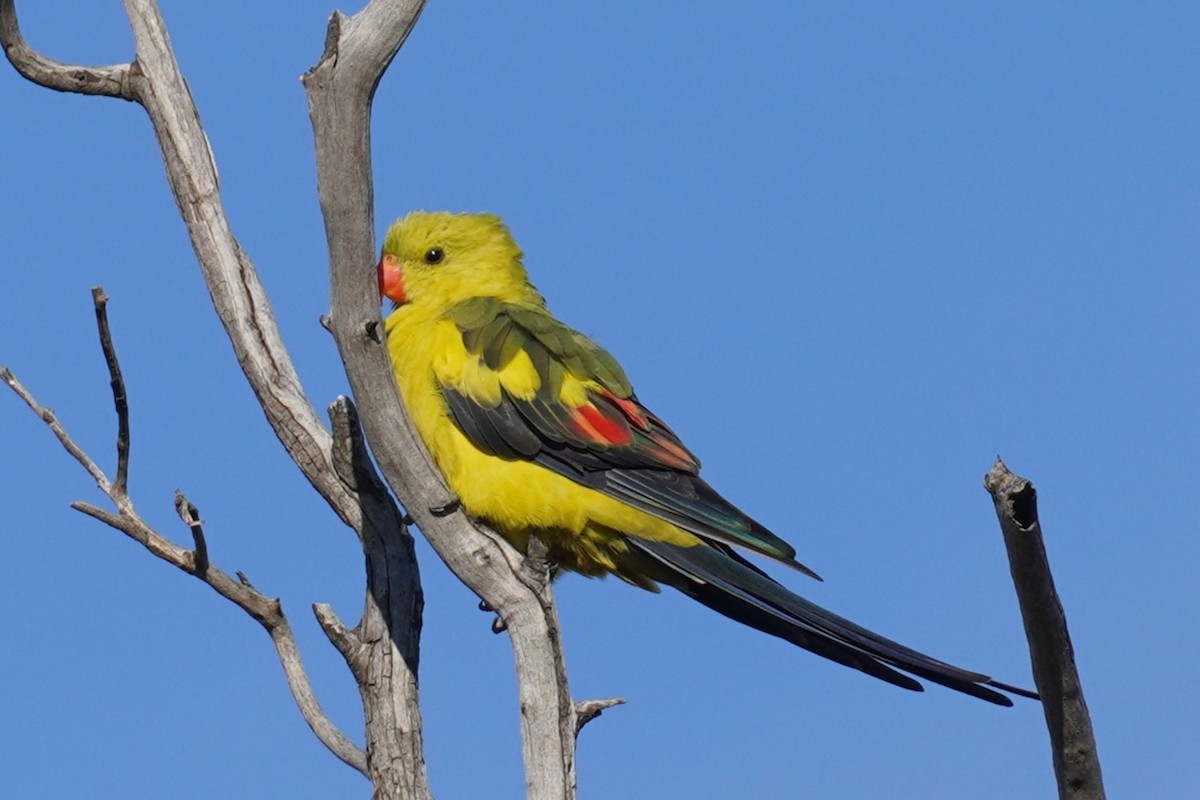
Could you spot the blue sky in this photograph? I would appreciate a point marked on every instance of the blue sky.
(851, 252)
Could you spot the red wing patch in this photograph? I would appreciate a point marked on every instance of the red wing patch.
(662, 442)
(601, 428)
(674, 455)
(632, 411)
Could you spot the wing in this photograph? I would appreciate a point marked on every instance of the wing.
(533, 389)
(537, 390)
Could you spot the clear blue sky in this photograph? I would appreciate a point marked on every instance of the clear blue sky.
(850, 251)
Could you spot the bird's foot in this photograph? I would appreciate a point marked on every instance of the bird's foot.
(498, 624)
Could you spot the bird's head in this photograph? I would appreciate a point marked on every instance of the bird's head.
(438, 259)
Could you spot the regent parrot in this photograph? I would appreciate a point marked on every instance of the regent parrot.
(537, 430)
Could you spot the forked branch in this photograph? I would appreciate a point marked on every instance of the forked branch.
(340, 89)
(267, 611)
(153, 80)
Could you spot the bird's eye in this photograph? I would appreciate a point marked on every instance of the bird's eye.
(434, 255)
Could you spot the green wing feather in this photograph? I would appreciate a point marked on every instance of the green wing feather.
(611, 442)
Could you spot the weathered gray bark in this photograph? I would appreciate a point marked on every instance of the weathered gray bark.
(1076, 763)
(382, 651)
(340, 88)
(267, 611)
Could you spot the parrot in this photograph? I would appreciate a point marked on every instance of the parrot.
(538, 433)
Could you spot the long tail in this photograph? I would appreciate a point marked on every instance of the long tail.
(727, 583)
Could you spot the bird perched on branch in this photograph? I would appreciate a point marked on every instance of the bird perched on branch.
(538, 432)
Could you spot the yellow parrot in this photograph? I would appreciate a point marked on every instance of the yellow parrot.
(537, 430)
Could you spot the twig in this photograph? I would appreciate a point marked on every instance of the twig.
(344, 639)
(120, 400)
(1076, 763)
(56, 428)
(191, 517)
(588, 710)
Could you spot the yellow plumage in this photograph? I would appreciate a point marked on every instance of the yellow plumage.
(579, 525)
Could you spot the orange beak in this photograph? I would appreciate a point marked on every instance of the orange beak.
(391, 280)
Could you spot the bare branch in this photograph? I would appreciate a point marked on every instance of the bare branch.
(396, 763)
(345, 640)
(155, 82)
(266, 611)
(110, 519)
(56, 428)
(100, 301)
(111, 81)
(1076, 763)
(297, 679)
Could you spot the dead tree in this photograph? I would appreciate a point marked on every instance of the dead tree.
(383, 648)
